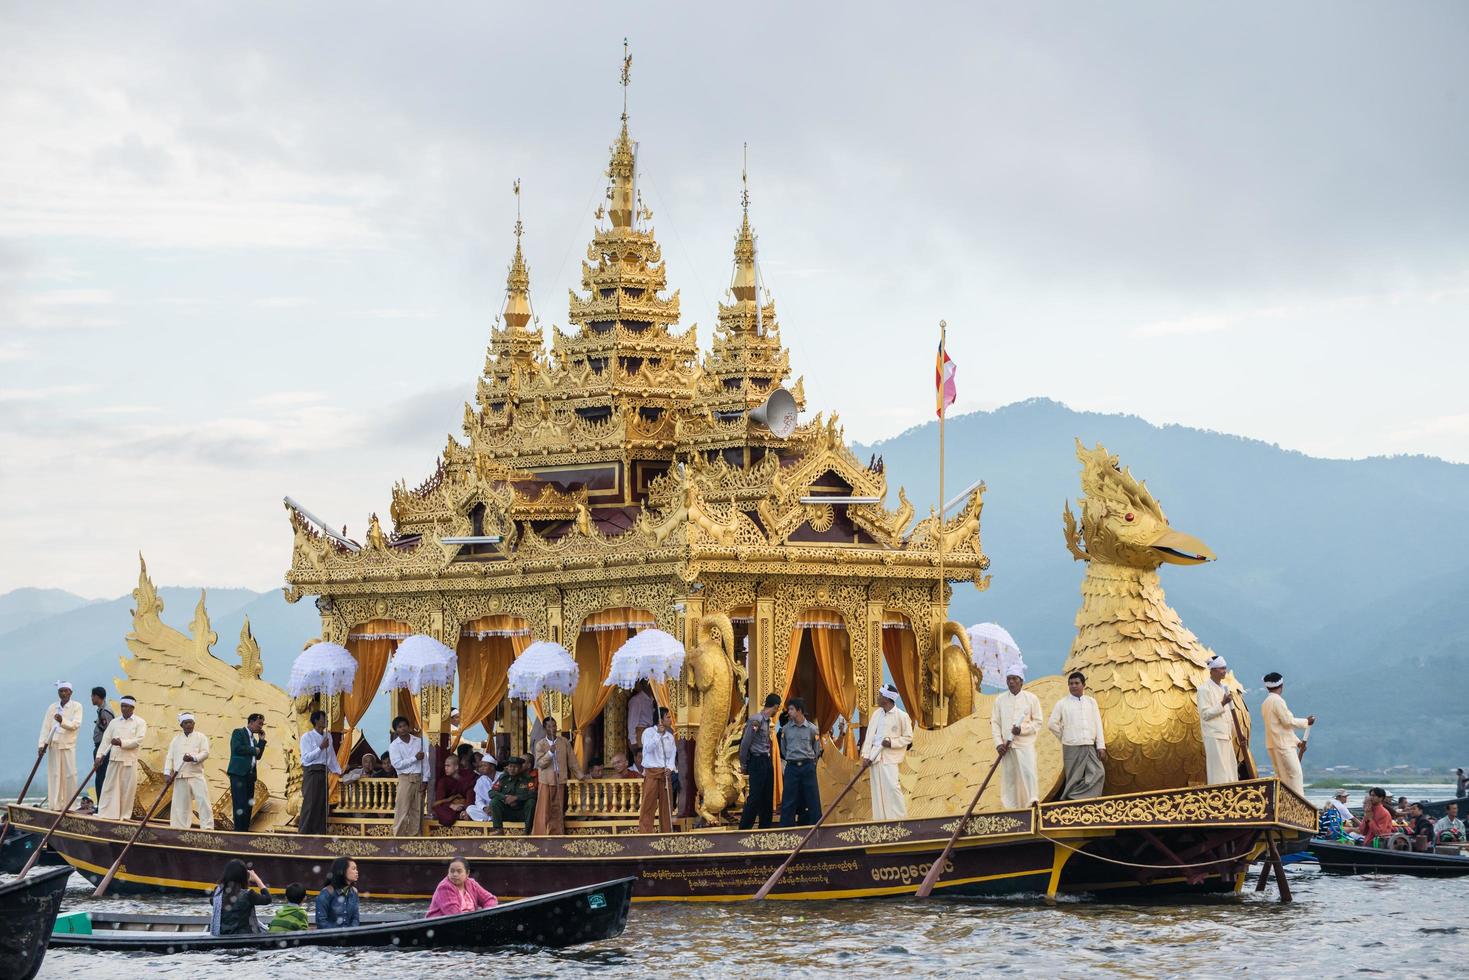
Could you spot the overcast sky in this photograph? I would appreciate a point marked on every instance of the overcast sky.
(249, 250)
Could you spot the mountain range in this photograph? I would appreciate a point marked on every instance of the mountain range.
(1348, 576)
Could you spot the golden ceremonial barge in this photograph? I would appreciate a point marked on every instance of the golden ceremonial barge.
(620, 479)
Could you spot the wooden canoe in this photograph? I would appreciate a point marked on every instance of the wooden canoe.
(567, 918)
(28, 908)
(1351, 859)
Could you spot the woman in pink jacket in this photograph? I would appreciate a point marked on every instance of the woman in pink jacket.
(459, 893)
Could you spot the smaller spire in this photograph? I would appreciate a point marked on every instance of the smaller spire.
(620, 171)
(744, 283)
(517, 314)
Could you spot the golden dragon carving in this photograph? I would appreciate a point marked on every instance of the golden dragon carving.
(714, 674)
(960, 676)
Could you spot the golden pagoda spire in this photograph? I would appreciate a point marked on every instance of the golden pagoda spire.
(744, 284)
(517, 314)
(621, 170)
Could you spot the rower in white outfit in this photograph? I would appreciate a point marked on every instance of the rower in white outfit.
(58, 741)
(1015, 720)
(120, 743)
(186, 755)
(889, 733)
(1216, 724)
(1280, 734)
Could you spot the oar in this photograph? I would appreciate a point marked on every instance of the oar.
(765, 888)
(1247, 763)
(147, 815)
(36, 854)
(5, 823)
(931, 879)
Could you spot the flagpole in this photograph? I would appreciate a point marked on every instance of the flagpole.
(939, 530)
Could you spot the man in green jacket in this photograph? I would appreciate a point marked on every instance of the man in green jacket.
(247, 745)
(513, 795)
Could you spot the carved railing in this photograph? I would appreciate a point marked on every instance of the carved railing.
(369, 795)
(604, 798)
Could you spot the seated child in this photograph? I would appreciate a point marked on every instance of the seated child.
(291, 916)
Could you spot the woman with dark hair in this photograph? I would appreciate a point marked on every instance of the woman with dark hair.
(458, 892)
(336, 903)
(234, 899)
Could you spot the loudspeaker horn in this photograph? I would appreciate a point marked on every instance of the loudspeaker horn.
(778, 414)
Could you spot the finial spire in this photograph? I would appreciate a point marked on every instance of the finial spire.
(517, 312)
(744, 284)
(626, 77)
(745, 182)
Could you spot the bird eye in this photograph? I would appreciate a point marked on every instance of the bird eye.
(1129, 517)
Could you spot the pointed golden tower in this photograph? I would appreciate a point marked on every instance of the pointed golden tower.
(514, 354)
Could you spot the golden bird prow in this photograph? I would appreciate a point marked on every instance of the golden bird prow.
(1141, 663)
(171, 672)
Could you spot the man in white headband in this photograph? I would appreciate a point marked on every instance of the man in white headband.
(120, 743)
(889, 733)
(1216, 724)
(1280, 734)
(58, 742)
(186, 755)
(1015, 719)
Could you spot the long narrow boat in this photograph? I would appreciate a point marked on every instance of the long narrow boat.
(1352, 859)
(565, 918)
(16, 848)
(1126, 841)
(28, 908)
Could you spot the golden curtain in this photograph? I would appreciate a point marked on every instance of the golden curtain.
(834, 668)
(607, 630)
(900, 650)
(371, 645)
(484, 664)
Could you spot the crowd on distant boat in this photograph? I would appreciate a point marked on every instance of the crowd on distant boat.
(1400, 825)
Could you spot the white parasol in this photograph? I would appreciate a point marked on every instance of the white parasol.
(651, 655)
(419, 662)
(322, 668)
(994, 651)
(544, 666)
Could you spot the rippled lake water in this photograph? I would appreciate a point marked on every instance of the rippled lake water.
(1338, 925)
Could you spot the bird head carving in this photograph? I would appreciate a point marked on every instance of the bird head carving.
(1121, 523)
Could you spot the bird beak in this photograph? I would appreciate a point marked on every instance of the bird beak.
(1178, 548)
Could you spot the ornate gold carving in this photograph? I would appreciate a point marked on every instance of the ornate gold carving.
(989, 825)
(594, 847)
(1142, 664)
(713, 674)
(508, 847)
(275, 844)
(1213, 804)
(771, 841)
(1293, 810)
(353, 847)
(429, 848)
(877, 833)
(682, 845)
(195, 838)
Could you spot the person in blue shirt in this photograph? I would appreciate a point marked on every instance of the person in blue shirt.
(336, 904)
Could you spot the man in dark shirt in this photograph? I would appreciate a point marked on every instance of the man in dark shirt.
(1418, 824)
(513, 795)
(104, 718)
(755, 762)
(800, 747)
(247, 745)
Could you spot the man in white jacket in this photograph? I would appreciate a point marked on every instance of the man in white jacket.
(1077, 722)
(58, 741)
(1280, 734)
(1216, 723)
(1015, 720)
(120, 743)
(185, 761)
(889, 733)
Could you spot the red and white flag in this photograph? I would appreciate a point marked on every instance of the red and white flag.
(943, 379)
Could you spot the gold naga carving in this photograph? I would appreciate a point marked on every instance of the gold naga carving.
(960, 677)
(715, 675)
(1141, 663)
(1235, 802)
(170, 671)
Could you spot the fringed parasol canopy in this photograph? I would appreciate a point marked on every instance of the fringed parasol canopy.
(420, 662)
(322, 668)
(651, 655)
(994, 652)
(543, 667)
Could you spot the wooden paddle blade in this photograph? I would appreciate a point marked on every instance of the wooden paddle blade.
(937, 868)
(770, 882)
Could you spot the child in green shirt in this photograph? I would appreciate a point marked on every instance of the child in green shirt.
(291, 916)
